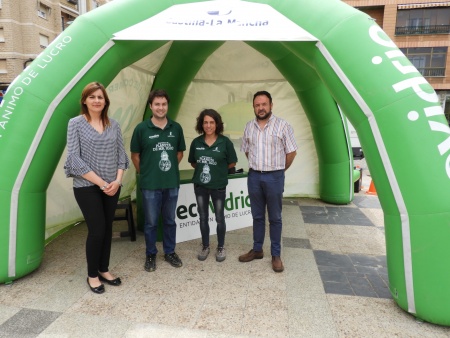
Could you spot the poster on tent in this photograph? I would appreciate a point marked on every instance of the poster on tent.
(237, 210)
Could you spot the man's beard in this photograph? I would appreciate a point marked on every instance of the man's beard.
(264, 117)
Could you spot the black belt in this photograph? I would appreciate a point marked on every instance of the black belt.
(265, 172)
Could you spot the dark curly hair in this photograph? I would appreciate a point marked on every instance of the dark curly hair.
(158, 93)
(263, 93)
(211, 113)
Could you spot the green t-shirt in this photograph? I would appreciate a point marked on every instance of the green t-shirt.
(211, 170)
(158, 150)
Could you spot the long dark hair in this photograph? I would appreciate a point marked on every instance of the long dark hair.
(211, 113)
(88, 90)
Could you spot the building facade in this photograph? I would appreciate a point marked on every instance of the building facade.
(421, 29)
(27, 27)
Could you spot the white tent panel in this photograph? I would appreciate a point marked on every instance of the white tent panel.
(226, 82)
(222, 20)
(243, 64)
(151, 63)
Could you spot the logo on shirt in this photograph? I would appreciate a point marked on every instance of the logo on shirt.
(207, 160)
(164, 163)
(205, 176)
(216, 149)
(171, 135)
(154, 136)
(200, 148)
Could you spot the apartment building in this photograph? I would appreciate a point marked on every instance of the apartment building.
(27, 27)
(421, 29)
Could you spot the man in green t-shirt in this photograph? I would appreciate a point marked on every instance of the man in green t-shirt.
(157, 148)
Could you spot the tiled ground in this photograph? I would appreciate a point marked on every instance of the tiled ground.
(334, 285)
(334, 215)
(353, 275)
(348, 274)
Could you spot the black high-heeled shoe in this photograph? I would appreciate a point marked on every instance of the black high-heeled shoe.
(114, 282)
(98, 289)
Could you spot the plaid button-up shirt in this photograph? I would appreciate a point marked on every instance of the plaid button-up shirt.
(267, 148)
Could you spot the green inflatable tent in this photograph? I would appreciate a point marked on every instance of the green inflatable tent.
(344, 63)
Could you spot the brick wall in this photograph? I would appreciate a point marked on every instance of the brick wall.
(22, 28)
(389, 10)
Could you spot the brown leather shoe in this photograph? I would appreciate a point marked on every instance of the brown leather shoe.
(277, 264)
(251, 255)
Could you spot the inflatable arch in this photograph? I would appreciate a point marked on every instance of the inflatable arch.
(346, 59)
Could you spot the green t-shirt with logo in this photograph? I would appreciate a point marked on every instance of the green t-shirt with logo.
(211, 170)
(158, 150)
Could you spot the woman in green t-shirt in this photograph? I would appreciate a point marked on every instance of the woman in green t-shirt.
(211, 154)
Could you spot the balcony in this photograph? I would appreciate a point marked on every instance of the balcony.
(416, 30)
(432, 72)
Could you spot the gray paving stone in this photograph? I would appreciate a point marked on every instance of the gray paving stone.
(325, 258)
(302, 243)
(367, 201)
(384, 277)
(333, 276)
(363, 291)
(28, 323)
(369, 261)
(380, 286)
(353, 274)
(338, 288)
(358, 281)
(366, 269)
(334, 215)
(7, 312)
(346, 269)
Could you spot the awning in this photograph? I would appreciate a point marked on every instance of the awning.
(424, 5)
(69, 11)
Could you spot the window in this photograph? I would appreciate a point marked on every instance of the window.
(447, 108)
(94, 4)
(75, 2)
(423, 21)
(2, 35)
(429, 61)
(43, 11)
(3, 69)
(43, 40)
(66, 21)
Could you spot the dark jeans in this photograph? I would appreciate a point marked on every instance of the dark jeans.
(266, 190)
(98, 211)
(160, 202)
(218, 199)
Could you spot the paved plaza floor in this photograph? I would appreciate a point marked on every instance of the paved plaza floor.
(335, 284)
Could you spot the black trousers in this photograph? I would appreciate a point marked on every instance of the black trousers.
(98, 210)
